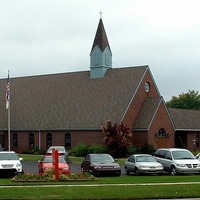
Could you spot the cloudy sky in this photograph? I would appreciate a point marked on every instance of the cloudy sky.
(55, 36)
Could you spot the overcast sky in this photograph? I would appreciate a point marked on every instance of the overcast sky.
(55, 36)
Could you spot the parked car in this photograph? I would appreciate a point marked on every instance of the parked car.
(47, 163)
(142, 164)
(176, 160)
(61, 151)
(198, 156)
(10, 163)
(100, 164)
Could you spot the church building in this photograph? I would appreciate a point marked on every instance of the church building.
(68, 108)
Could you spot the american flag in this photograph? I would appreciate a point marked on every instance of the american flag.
(7, 92)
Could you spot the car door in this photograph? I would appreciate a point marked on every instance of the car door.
(131, 163)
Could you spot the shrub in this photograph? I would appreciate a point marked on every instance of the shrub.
(147, 148)
(133, 150)
(80, 150)
(96, 149)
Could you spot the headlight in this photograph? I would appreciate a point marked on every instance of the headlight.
(97, 167)
(18, 165)
(181, 165)
(116, 167)
(66, 168)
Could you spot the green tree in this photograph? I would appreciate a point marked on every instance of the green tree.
(117, 138)
(189, 100)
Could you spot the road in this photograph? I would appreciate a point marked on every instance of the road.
(32, 167)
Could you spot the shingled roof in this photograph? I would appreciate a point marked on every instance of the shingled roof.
(69, 100)
(185, 119)
(147, 113)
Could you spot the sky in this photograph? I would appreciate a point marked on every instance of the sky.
(40, 37)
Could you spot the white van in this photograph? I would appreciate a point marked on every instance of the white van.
(176, 160)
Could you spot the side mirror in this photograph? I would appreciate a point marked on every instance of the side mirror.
(20, 159)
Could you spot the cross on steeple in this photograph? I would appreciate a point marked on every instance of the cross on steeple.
(100, 13)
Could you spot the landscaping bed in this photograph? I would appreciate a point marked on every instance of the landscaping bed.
(49, 176)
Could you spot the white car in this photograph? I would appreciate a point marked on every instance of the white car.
(142, 164)
(10, 163)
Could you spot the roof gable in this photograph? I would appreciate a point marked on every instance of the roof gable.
(147, 113)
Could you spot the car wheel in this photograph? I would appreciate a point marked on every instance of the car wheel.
(137, 172)
(173, 171)
(82, 170)
(127, 171)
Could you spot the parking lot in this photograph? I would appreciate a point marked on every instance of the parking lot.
(32, 167)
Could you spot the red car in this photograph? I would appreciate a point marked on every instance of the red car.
(46, 164)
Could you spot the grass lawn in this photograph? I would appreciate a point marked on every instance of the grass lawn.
(132, 187)
(106, 188)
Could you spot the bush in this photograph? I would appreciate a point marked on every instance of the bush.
(96, 149)
(133, 150)
(34, 150)
(147, 148)
(80, 150)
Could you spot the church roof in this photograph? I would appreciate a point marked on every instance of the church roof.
(69, 100)
(185, 119)
(147, 113)
(100, 39)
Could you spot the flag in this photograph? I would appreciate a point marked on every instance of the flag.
(8, 92)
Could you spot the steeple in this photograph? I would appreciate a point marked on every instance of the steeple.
(100, 55)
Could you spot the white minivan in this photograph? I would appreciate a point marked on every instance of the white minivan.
(176, 161)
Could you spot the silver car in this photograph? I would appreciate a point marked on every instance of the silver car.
(142, 163)
(176, 161)
(61, 152)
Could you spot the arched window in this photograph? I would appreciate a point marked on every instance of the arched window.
(15, 139)
(67, 140)
(31, 140)
(161, 133)
(49, 139)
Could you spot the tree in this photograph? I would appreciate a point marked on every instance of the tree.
(117, 138)
(189, 100)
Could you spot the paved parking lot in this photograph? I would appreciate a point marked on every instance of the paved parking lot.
(32, 167)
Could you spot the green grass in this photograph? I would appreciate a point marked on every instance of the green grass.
(64, 190)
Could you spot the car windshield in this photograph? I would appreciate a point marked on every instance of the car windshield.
(57, 148)
(49, 159)
(102, 158)
(145, 159)
(178, 155)
(8, 156)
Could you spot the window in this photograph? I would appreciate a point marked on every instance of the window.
(49, 139)
(161, 132)
(15, 139)
(67, 140)
(31, 140)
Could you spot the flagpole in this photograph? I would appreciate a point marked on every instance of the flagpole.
(9, 127)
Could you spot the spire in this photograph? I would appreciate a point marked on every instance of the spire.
(100, 55)
(101, 39)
